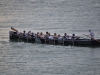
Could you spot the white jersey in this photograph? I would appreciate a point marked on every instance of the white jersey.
(42, 36)
(91, 34)
(60, 38)
(51, 37)
(18, 33)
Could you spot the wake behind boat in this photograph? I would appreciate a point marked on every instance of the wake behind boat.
(51, 39)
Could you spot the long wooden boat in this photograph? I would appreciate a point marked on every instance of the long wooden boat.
(77, 42)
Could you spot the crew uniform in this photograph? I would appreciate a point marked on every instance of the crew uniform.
(91, 34)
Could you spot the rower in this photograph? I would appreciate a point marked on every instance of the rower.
(32, 35)
(29, 32)
(24, 33)
(37, 35)
(55, 36)
(18, 33)
(41, 35)
(59, 37)
(50, 36)
(46, 35)
(73, 36)
(91, 34)
(65, 37)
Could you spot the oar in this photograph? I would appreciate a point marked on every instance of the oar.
(73, 41)
(19, 39)
(27, 39)
(14, 29)
(91, 38)
(45, 40)
(63, 41)
(54, 41)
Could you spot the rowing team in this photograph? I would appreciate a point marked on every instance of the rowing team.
(47, 35)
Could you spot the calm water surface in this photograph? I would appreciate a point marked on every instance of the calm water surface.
(60, 16)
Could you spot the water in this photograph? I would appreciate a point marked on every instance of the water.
(60, 16)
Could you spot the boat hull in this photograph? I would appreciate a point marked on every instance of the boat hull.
(78, 42)
(14, 37)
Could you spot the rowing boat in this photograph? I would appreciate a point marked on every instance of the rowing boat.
(77, 42)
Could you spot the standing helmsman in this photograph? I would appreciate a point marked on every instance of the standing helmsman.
(91, 34)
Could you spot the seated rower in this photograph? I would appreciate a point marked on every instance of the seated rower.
(73, 36)
(19, 34)
(24, 33)
(46, 35)
(65, 37)
(32, 35)
(41, 35)
(29, 34)
(59, 37)
(50, 37)
(55, 36)
(37, 35)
